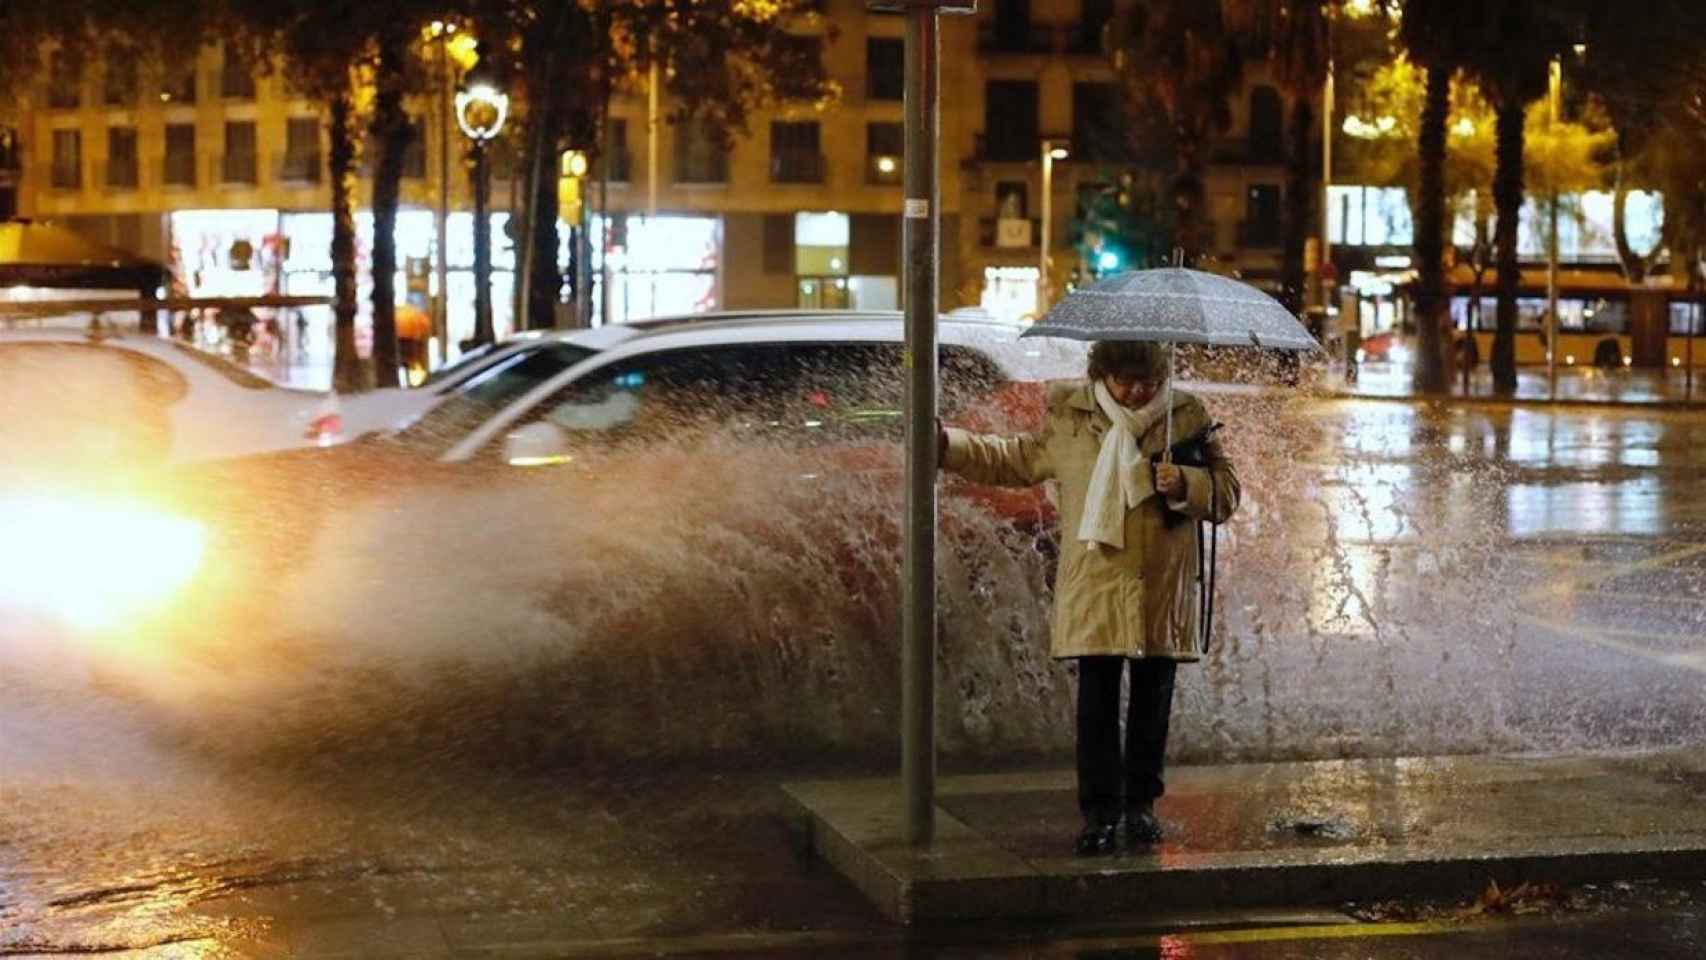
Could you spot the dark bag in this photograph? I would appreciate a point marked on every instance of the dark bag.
(1193, 452)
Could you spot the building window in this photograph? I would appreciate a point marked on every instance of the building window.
(178, 84)
(121, 158)
(615, 155)
(699, 158)
(1010, 121)
(1098, 123)
(67, 173)
(238, 165)
(885, 68)
(884, 146)
(180, 155)
(1093, 16)
(1266, 119)
(795, 156)
(301, 150)
(1261, 217)
(65, 81)
(1011, 31)
(414, 152)
(119, 83)
(236, 80)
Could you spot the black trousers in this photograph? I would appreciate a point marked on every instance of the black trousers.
(1105, 785)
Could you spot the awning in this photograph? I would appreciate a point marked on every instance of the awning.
(46, 255)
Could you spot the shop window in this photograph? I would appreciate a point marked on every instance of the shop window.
(67, 173)
(238, 164)
(121, 158)
(180, 155)
(885, 145)
(795, 154)
(885, 68)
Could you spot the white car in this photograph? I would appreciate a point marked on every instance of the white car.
(526, 407)
(392, 408)
(94, 397)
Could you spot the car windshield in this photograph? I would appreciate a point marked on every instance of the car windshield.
(470, 361)
(484, 394)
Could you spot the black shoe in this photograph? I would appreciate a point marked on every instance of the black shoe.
(1141, 826)
(1096, 839)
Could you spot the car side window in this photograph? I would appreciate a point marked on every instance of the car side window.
(487, 393)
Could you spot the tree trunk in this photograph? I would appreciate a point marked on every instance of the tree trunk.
(545, 280)
(346, 366)
(1634, 264)
(1300, 191)
(1429, 375)
(1507, 199)
(391, 134)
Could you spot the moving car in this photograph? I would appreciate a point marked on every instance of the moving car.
(99, 399)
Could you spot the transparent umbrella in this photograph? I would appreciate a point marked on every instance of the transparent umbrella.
(1174, 305)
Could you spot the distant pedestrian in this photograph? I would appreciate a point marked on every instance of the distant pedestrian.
(1126, 587)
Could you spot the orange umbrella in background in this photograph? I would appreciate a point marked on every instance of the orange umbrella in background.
(413, 323)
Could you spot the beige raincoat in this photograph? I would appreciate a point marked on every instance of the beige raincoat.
(1137, 602)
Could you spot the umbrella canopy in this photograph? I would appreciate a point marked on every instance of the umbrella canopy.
(1174, 305)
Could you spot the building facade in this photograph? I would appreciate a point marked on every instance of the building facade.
(218, 170)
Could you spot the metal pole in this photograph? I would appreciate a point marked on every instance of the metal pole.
(652, 143)
(482, 249)
(1555, 81)
(1042, 245)
(441, 226)
(918, 641)
(1326, 172)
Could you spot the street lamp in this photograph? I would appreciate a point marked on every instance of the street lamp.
(481, 109)
(1555, 82)
(1052, 150)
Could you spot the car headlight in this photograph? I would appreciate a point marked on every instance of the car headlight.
(93, 561)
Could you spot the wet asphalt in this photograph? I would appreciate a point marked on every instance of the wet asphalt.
(1563, 548)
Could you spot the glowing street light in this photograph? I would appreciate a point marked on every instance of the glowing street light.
(1052, 150)
(480, 111)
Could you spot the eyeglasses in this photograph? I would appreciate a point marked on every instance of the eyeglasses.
(1125, 382)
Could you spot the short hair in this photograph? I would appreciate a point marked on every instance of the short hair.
(1127, 359)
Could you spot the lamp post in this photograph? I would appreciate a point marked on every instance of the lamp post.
(481, 110)
(440, 31)
(1052, 149)
(571, 199)
(1555, 80)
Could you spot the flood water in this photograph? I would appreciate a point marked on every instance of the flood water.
(607, 672)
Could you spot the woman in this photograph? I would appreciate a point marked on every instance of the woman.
(1126, 588)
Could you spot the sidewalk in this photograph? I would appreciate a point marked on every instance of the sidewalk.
(1271, 835)
(1576, 385)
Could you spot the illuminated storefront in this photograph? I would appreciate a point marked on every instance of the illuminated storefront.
(659, 266)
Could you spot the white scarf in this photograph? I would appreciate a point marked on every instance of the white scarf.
(1121, 479)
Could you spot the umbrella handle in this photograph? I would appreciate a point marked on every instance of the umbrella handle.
(1167, 451)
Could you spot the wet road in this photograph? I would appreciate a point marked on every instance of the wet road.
(1402, 580)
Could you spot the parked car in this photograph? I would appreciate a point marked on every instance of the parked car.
(98, 399)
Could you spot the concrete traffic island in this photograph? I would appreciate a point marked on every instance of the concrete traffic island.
(1271, 835)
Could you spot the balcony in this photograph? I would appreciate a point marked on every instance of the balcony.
(178, 170)
(64, 175)
(702, 167)
(796, 166)
(120, 174)
(1260, 234)
(1020, 147)
(1015, 37)
(239, 169)
(299, 168)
